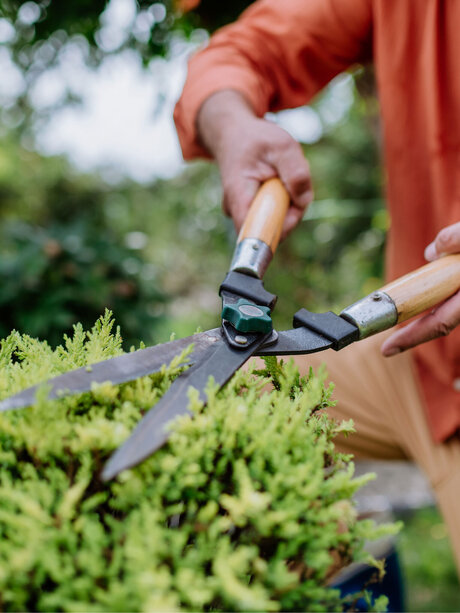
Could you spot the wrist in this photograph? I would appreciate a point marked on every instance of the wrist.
(219, 115)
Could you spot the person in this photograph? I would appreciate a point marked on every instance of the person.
(404, 395)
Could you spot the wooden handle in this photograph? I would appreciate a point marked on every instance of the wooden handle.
(266, 216)
(425, 287)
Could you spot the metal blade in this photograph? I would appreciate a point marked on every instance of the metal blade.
(294, 342)
(120, 369)
(152, 432)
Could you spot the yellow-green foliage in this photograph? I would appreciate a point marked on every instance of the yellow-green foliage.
(246, 508)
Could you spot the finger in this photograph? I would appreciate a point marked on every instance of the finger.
(237, 198)
(241, 188)
(294, 172)
(447, 241)
(440, 322)
(293, 217)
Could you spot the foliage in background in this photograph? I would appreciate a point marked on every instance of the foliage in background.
(61, 258)
(429, 568)
(37, 35)
(210, 14)
(44, 26)
(246, 508)
(53, 276)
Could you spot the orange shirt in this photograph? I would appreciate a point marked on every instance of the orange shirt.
(280, 54)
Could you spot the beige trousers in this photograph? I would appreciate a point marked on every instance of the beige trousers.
(381, 396)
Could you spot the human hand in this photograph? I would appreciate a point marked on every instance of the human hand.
(250, 151)
(443, 318)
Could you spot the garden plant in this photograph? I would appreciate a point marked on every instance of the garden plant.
(248, 506)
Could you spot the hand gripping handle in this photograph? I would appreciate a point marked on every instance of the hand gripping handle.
(425, 287)
(261, 231)
(406, 297)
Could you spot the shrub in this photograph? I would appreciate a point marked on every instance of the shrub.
(246, 508)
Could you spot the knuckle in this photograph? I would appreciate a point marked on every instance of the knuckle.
(444, 237)
(305, 200)
(443, 328)
(448, 239)
(299, 186)
(273, 150)
(300, 181)
(285, 141)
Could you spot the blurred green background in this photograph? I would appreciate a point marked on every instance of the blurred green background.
(73, 242)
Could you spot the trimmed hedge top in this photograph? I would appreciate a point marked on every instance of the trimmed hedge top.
(246, 508)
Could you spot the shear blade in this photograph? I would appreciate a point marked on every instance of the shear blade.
(120, 369)
(152, 431)
(298, 341)
(130, 366)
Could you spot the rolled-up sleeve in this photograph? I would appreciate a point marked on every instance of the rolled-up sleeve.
(277, 55)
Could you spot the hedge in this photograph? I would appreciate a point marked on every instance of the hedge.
(248, 507)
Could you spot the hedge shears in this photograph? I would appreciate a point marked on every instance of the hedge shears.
(247, 330)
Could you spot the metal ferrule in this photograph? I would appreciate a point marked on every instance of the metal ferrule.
(252, 257)
(372, 314)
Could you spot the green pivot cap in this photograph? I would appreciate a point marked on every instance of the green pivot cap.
(245, 316)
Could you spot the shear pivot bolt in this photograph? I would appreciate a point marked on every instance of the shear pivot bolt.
(241, 340)
(250, 310)
(245, 316)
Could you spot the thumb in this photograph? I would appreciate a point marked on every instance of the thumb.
(238, 197)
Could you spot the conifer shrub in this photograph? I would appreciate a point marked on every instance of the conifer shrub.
(246, 508)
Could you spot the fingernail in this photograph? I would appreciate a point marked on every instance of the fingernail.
(391, 351)
(431, 253)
